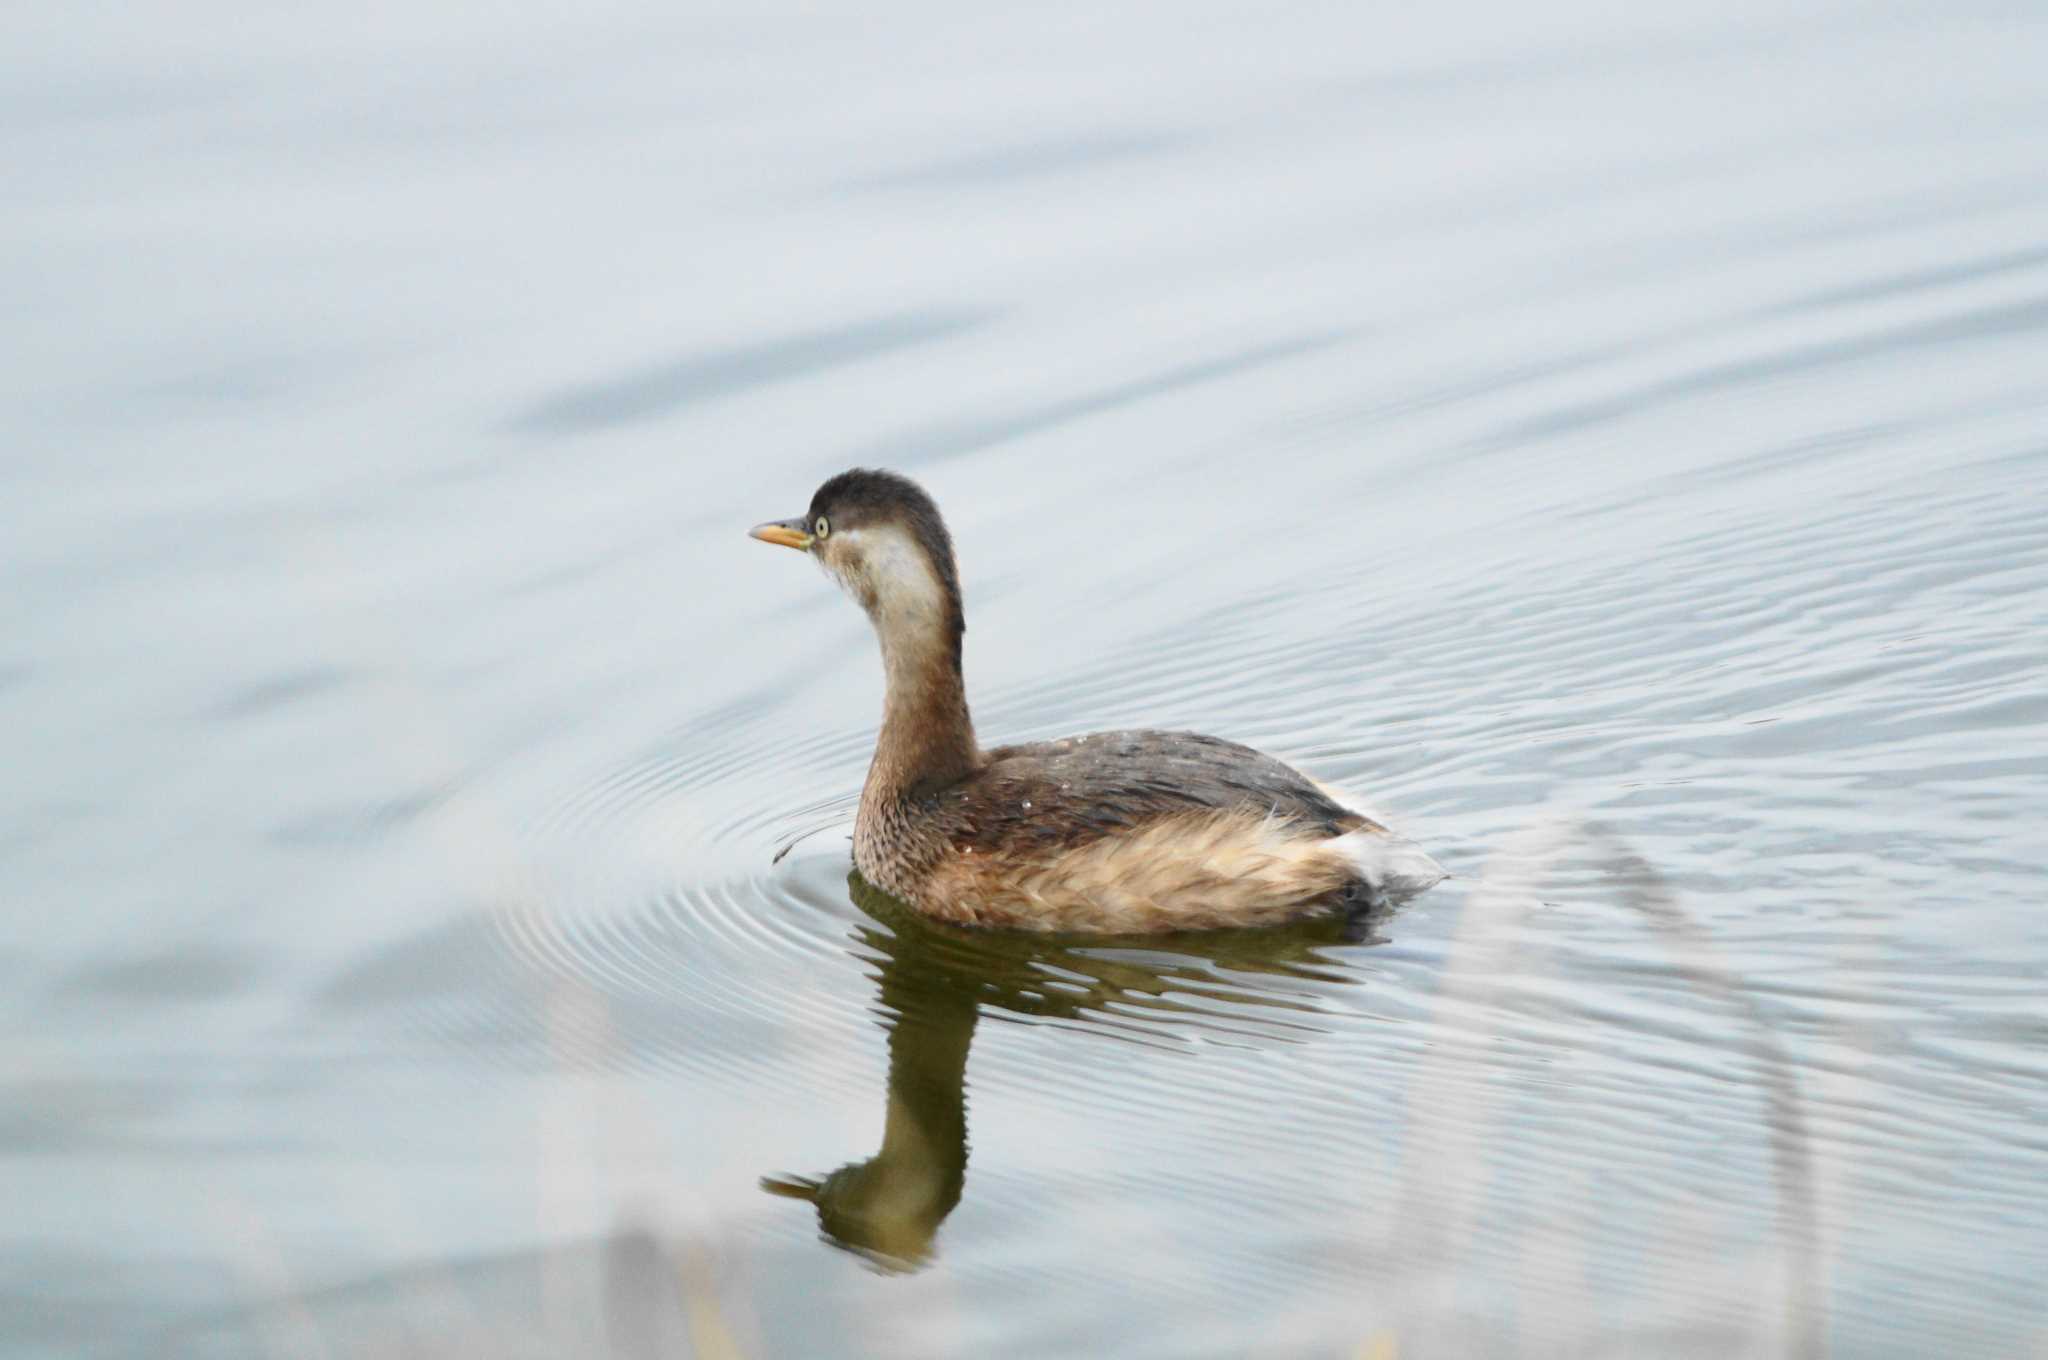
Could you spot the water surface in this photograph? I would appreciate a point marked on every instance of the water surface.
(1612, 443)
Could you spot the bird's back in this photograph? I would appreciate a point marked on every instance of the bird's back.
(1050, 793)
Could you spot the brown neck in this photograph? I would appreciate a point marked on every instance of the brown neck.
(927, 738)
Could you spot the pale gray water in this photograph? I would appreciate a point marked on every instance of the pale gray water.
(1612, 440)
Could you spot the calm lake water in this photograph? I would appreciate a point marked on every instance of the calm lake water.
(1613, 441)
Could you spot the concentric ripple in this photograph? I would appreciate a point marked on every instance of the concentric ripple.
(636, 908)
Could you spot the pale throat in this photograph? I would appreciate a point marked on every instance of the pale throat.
(927, 733)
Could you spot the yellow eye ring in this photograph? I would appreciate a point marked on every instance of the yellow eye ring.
(823, 526)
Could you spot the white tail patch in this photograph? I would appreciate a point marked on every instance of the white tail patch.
(1392, 863)
(1396, 866)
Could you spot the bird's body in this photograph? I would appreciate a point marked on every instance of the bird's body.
(1114, 832)
(1123, 832)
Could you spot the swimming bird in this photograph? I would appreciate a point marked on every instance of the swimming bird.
(1125, 832)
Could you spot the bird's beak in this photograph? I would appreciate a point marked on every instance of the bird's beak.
(790, 533)
(793, 1187)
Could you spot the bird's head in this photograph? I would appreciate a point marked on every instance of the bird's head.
(881, 538)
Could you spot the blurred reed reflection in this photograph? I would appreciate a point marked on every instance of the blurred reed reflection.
(933, 982)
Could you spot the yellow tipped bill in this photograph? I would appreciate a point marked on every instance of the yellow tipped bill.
(790, 533)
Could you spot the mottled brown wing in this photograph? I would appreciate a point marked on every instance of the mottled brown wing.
(1052, 794)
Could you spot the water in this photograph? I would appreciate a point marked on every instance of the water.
(1611, 441)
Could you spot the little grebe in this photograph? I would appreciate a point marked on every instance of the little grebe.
(1114, 832)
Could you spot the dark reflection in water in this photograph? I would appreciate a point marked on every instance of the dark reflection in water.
(933, 982)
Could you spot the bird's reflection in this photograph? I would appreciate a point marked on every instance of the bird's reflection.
(934, 981)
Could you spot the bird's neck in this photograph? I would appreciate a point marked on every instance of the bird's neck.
(927, 738)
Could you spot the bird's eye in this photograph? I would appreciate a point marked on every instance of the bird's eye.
(823, 526)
